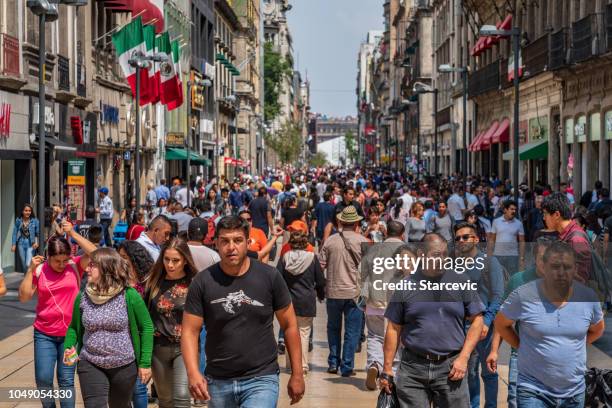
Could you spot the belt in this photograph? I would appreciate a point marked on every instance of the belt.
(432, 357)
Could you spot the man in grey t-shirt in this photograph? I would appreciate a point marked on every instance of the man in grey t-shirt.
(507, 239)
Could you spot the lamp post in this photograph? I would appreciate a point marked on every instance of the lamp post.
(408, 102)
(47, 12)
(445, 68)
(515, 33)
(421, 88)
(140, 61)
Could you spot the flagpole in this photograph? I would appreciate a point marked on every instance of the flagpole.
(119, 27)
(137, 153)
(188, 139)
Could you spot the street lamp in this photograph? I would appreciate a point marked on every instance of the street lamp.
(409, 102)
(421, 88)
(46, 11)
(515, 33)
(446, 68)
(140, 61)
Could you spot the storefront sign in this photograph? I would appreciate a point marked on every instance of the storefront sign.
(609, 125)
(76, 172)
(595, 129)
(5, 120)
(206, 126)
(569, 130)
(49, 118)
(197, 92)
(538, 128)
(110, 114)
(175, 139)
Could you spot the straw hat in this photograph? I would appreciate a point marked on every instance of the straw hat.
(349, 215)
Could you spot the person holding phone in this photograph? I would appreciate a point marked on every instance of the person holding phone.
(111, 332)
(56, 280)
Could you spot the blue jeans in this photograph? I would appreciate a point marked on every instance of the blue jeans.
(510, 263)
(203, 350)
(25, 250)
(257, 392)
(489, 379)
(528, 398)
(49, 354)
(512, 378)
(140, 399)
(105, 223)
(353, 317)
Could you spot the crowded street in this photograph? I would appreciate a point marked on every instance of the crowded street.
(278, 203)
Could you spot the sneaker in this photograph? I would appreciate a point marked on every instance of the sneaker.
(281, 348)
(332, 370)
(371, 377)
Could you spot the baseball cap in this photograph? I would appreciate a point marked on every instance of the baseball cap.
(103, 190)
(298, 226)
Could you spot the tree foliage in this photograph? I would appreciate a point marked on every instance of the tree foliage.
(276, 69)
(286, 142)
(319, 159)
(351, 148)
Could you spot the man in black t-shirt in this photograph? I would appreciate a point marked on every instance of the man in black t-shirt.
(237, 300)
(261, 211)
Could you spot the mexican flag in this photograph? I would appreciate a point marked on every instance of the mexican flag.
(169, 91)
(149, 37)
(128, 41)
(176, 60)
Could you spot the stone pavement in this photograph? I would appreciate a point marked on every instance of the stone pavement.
(322, 390)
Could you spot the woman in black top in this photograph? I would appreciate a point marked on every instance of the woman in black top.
(166, 292)
(304, 277)
(291, 212)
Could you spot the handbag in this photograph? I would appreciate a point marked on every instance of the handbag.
(388, 400)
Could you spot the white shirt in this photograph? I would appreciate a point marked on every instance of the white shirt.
(152, 248)
(506, 236)
(455, 206)
(203, 257)
(407, 201)
(181, 196)
(472, 200)
(106, 208)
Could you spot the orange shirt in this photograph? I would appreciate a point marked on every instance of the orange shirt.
(257, 239)
(286, 248)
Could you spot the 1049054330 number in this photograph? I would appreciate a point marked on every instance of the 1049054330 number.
(16, 394)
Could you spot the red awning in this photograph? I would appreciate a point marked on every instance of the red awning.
(472, 147)
(485, 143)
(118, 5)
(150, 14)
(502, 134)
(507, 23)
(478, 47)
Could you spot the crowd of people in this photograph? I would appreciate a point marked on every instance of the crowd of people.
(187, 296)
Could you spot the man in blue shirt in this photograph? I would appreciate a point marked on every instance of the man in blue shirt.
(324, 213)
(558, 317)
(162, 191)
(489, 275)
(236, 198)
(430, 324)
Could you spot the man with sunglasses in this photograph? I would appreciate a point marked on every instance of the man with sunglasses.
(490, 278)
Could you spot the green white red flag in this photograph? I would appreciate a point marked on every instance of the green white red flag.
(128, 41)
(153, 79)
(169, 91)
(176, 60)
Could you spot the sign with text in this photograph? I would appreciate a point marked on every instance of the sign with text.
(76, 172)
(175, 139)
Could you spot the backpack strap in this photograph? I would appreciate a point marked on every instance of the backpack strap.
(349, 249)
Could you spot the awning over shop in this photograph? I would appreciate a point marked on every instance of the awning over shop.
(537, 150)
(56, 144)
(177, 153)
(502, 134)
(485, 142)
(472, 147)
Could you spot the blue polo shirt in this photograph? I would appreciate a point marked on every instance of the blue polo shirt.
(433, 321)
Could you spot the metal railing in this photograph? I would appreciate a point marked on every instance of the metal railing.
(536, 56)
(609, 27)
(10, 55)
(63, 73)
(583, 33)
(558, 49)
(485, 79)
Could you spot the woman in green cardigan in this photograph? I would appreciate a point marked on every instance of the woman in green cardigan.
(112, 333)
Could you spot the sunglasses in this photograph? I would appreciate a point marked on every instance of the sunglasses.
(464, 237)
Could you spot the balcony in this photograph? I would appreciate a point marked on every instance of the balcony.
(558, 49)
(536, 56)
(584, 31)
(10, 76)
(609, 27)
(485, 79)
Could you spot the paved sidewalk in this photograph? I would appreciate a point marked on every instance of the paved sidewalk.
(322, 390)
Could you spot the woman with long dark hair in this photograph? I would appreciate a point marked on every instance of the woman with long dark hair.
(56, 281)
(111, 332)
(166, 292)
(25, 235)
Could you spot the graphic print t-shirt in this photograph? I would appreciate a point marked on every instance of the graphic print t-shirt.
(238, 313)
(166, 310)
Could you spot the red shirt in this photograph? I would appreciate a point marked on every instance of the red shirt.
(574, 235)
(134, 232)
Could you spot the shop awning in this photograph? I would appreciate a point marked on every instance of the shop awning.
(502, 134)
(472, 147)
(485, 142)
(56, 144)
(537, 150)
(177, 153)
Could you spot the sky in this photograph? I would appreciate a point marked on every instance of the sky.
(326, 38)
